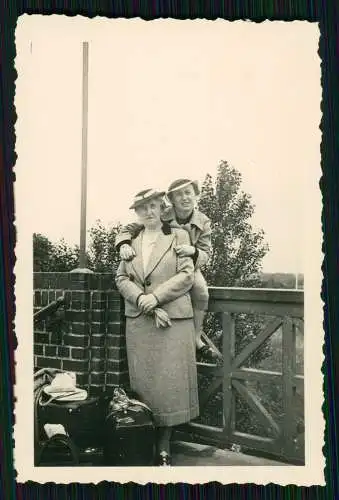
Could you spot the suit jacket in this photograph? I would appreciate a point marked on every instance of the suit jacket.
(199, 229)
(168, 277)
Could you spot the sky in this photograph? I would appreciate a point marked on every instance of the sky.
(169, 99)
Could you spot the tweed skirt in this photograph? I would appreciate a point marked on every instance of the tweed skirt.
(162, 368)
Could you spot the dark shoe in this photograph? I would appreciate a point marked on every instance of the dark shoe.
(206, 353)
(164, 459)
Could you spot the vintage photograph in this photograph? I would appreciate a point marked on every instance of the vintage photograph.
(168, 207)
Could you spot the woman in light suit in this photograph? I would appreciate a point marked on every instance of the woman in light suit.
(161, 356)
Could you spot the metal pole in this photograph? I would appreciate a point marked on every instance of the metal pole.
(82, 256)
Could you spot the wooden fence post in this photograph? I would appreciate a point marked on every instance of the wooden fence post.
(228, 326)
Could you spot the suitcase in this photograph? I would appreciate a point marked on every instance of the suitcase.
(81, 420)
(129, 433)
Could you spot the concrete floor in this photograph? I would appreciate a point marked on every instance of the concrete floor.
(192, 454)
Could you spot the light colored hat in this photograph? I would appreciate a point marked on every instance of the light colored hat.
(182, 183)
(146, 195)
(63, 388)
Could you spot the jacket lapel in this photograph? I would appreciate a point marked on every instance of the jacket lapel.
(160, 248)
(137, 262)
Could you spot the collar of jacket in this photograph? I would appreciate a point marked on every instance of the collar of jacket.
(166, 228)
(198, 219)
(156, 255)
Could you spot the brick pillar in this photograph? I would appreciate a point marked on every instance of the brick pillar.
(116, 368)
(92, 340)
(78, 328)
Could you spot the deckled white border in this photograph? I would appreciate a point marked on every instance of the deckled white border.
(312, 473)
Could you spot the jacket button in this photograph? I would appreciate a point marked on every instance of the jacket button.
(147, 283)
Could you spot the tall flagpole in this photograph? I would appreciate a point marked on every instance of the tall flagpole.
(82, 254)
(82, 257)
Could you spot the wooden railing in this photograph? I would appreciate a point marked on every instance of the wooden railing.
(285, 309)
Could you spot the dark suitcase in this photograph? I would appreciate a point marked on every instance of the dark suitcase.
(129, 433)
(82, 421)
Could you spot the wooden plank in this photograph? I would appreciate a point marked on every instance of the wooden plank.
(254, 442)
(271, 295)
(253, 374)
(209, 369)
(204, 434)
(269, 330)
(228, 327)
(288, 386)
(256, 308)
(233, 413)
(215, 434)
(257, 300)
(209, 342)
(253, 402)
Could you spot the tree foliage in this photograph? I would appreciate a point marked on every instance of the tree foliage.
(55, 257)
(238, 249)
(101, 255)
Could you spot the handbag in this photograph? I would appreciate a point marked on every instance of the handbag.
(129, 432)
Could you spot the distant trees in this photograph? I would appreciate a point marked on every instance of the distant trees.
(56, 257)
(238, 249)
(60, 256)
(102, 255)
(281, 280)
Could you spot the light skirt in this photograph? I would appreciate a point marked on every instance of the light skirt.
(162, 368)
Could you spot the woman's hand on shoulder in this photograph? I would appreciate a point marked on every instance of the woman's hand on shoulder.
(126, 252)
(147, 303)
(185, 250)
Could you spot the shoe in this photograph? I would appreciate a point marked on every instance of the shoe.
(206, 353)
(164, 459)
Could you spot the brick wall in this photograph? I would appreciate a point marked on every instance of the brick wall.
(87, 336)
